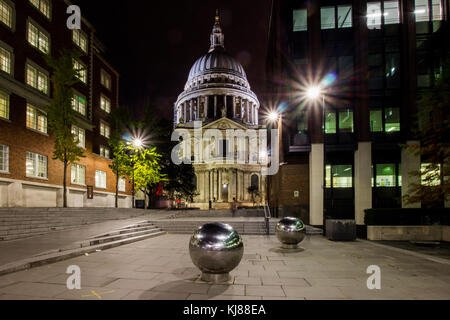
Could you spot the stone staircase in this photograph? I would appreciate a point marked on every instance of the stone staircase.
(254, 227)
(20, 223)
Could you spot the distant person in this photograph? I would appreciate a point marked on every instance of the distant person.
(234, 207)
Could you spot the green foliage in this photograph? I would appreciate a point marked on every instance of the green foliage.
(433, 132)
(180, 181)
(254, 192)
(146, 168)
(60, 114)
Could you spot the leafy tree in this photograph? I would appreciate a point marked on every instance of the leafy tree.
(60, 114)
(433, 132)
(180, 181)
(146, 169)
(254, 192)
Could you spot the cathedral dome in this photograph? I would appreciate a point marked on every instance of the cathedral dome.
(216, 61)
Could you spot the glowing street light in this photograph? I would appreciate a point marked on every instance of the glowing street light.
(273, 116)
(313, 93)
(137, 143)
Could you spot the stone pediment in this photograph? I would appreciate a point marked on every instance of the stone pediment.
(223, 124)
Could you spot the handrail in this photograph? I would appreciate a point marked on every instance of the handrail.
(267, 218)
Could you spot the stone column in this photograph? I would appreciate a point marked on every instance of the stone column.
(363, 180)
(215, 106)
(184, 112)
(256, 115)
(198, 108)
(219, 180)
(410, 162)
(234, 106)
(211, 190)
(191, 109)
(316, 187)
(206, 106)
(214, 183)
(247, 111)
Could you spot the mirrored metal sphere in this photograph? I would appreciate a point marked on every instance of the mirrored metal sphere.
(290, 231)
(216, 249)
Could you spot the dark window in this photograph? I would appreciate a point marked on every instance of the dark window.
(255, 182)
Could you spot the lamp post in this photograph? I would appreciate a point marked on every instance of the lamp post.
(137, 144)
(275, 117)
(313, 94)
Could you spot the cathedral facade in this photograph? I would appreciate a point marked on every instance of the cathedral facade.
(217, 97)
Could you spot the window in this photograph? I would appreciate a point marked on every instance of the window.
(78, 174)
(6, 13)
(79, 104)
(5, 60)
(80, 136)
(36, 119)
(36, 165)
(431, 174)
(255, 182)
(392, 118)
(122, 184)
(391, 12)
(300, 20)
(385, 175)
(37, 37)
(330, 122)
(80, 39)
(104, 152)
(422, 10)
(345, 66)
(436, 6)
(81, 70)
(43, 6)
(374, 15)
(100, 179)
(37, 78)
(104, 129)
(376, 120)
(392, 65)
(4, 105)
(105, 79)
(338, 176)
(105, 104)
(345, 16)
(346, 121)
(327, 18)
(4, 158)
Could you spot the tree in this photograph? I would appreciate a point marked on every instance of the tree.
(433, 132)
(146, 169)
(180, 181)
(60, 114)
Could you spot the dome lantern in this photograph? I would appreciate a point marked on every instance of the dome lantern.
(217, 37)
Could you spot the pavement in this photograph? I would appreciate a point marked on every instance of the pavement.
(161, 268)
(15, 250)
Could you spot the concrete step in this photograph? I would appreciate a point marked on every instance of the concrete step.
(124, 231)
(111, 238)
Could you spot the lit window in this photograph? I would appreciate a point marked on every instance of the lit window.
(100, 179)
(37, 78)
(36, 119)
(80, 39)
(81, 70)
(392, 119)
(36, 165)
(43, 6)
(122, 184)
(374, 15)
(80, 136)
(391, 12)
(4, 105)
(300, 20)
(104, 151)
(105, 129)
(6, 13)
(421, 10)
(5, 60)
(346, 121)
(78, 174)
(327, 18)
(345, 16)
(105, 104)
(330, 122)
(38, 38)
(338, 176)
(376, 120)
(105, 79)
(79, 104)
(430, 174)
(436, 10)
(4, 158)
(385, 175)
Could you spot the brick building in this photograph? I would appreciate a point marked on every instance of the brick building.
(29, 177)
(341, 152)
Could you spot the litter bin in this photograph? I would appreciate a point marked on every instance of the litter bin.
(140, 204)
(341, 230)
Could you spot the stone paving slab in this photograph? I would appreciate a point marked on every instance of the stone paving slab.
(161, 268)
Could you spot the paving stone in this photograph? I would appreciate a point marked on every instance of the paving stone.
(42, 290)
(94, 293)
(247, 280)
(313, 292)
(298, 282)
(133, 284)
(238, 290)
(264, 291)
(206, 297)
(152, 295)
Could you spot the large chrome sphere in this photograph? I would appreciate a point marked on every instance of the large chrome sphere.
(216, 249)
(290, 231)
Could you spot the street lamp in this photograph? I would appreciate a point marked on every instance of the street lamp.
(137, 144)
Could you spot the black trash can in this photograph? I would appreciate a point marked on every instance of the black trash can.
(340, 230)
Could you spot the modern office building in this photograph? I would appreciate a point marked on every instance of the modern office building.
(29, 176)
(345, 77)
(218, 97)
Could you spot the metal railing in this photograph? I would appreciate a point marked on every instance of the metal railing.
(267, 218)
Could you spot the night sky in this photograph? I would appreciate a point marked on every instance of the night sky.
(153, 44)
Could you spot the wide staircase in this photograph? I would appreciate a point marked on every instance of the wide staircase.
(19, 223)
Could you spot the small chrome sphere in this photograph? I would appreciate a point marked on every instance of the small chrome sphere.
(216, 249)
(290, 231)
